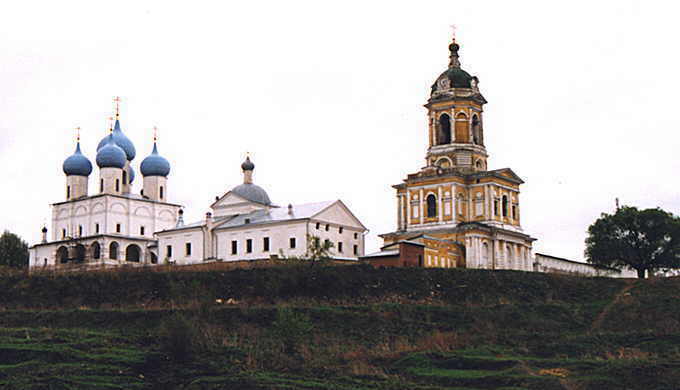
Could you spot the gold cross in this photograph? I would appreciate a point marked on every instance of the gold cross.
(116, 100)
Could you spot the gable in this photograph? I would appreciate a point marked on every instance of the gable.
(338, 213)
(232, 204)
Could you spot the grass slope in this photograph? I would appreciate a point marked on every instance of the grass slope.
(343, 327)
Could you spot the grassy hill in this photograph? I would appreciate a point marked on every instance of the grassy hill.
(337, 327)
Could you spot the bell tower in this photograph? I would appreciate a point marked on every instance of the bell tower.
(455, 110)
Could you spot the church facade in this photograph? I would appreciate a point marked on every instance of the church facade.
(460, 212)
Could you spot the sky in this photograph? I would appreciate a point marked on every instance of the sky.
(328, 99)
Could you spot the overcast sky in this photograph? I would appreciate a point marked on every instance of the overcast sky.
(327, 97)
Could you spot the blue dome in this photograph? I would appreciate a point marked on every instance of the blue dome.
(120, 139)
(77, 164)
(132, 175)
(248, 165)
(253, 193)
(111, 155)
(155, 164)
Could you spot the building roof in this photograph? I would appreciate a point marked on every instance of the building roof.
(382, 254)
(279, 214)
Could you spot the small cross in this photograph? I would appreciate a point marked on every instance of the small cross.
(453, 31)
(110, 124)
(155, 134)
(116, 100)
(78, 133)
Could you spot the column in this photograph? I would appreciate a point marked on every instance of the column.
(420, 207)
(408, 208)
(399, 208)
(441, 204)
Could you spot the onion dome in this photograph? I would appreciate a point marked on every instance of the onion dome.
(454, 76)
(77, 164)
(111, 155)
(248, 165)
(155, 164)
(132, 175)
(253, 193)
(120, 139)
(44, 229)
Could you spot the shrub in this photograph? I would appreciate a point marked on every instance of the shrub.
(178, 337)
(291, 328)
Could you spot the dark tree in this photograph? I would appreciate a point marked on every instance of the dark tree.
(645, 240)
(13, 250)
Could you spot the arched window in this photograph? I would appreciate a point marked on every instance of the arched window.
(62, 255)
(161, 192)
(113, 251)
(431, 206)
(101, 185)
(96, 250)
(80, 253)
(509, 256)
(133, 253)
(117, 185)
(477, 130)
(505, 205)
(485, 253)
(154, 258)
(462, 131)
(68, 192)
(444, 130)
(124, 177)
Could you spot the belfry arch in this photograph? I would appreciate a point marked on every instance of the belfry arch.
(477, 136)
(462, 131)
(444, 130)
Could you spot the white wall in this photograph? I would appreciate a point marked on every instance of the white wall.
(178, 240)
(279, 239)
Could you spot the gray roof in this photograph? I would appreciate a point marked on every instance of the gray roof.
(253, 193)
(279, 214)
(383, 254)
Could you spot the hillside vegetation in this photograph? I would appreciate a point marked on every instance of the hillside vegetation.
(337, 327)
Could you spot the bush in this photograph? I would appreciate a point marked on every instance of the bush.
(178, 337)
(291, 328)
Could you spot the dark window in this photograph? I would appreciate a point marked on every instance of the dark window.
(113, 251)
(514, 212)
(340, 230)
(101, 185)
(340, 247)
(431, 206)
(292, 243)
(124, 177)
(505, 205)
(317, 226)
(444, 130)
(356, 250)
(249, 245)
(326, 243)
(133, 253)
(96, 251)
(161, 192)
(80, 230)
(495, 207)
(168, 251)
(234, 247)
(117, 185)
(141, 230)
(265, 244)
(96, 228)
(328, 227)
(63, 233)
(420, 260)
(356, 235)
(188, 248)
(68, 192)
(117, 228)
(62, 255)
(246, 221)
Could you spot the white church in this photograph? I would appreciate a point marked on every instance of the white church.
(116, 227)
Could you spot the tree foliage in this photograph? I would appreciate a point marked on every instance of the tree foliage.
(318, 250)
(13, 250)
(645, 240)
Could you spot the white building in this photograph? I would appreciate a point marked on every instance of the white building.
(115, 227)
(245, 225)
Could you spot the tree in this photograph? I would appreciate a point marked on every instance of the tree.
(318, 250)
(645, 240)
(13, 250)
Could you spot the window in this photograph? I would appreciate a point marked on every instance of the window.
(188, 248)
(141, 230)
(495, 207)
(326, 243)
(317, 226)
(96, 228)
(117, 185)
(63, 233)
(247, 220)
(80, 230)
(505, 205)
(444, 130)
(340, 247)
(234, 247)
(514, 212)
(328, 227)
(356, 250)
(292, 243)
(96, 251)
(117, 228)
(113, 251)
(340, 230)
(431, 206)
(68, 192)
(249, 246)
(462, 134)
(124, 177)
(356, 235)
(101, 185)
(168, 251)
(161, 192)
(265, 244)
